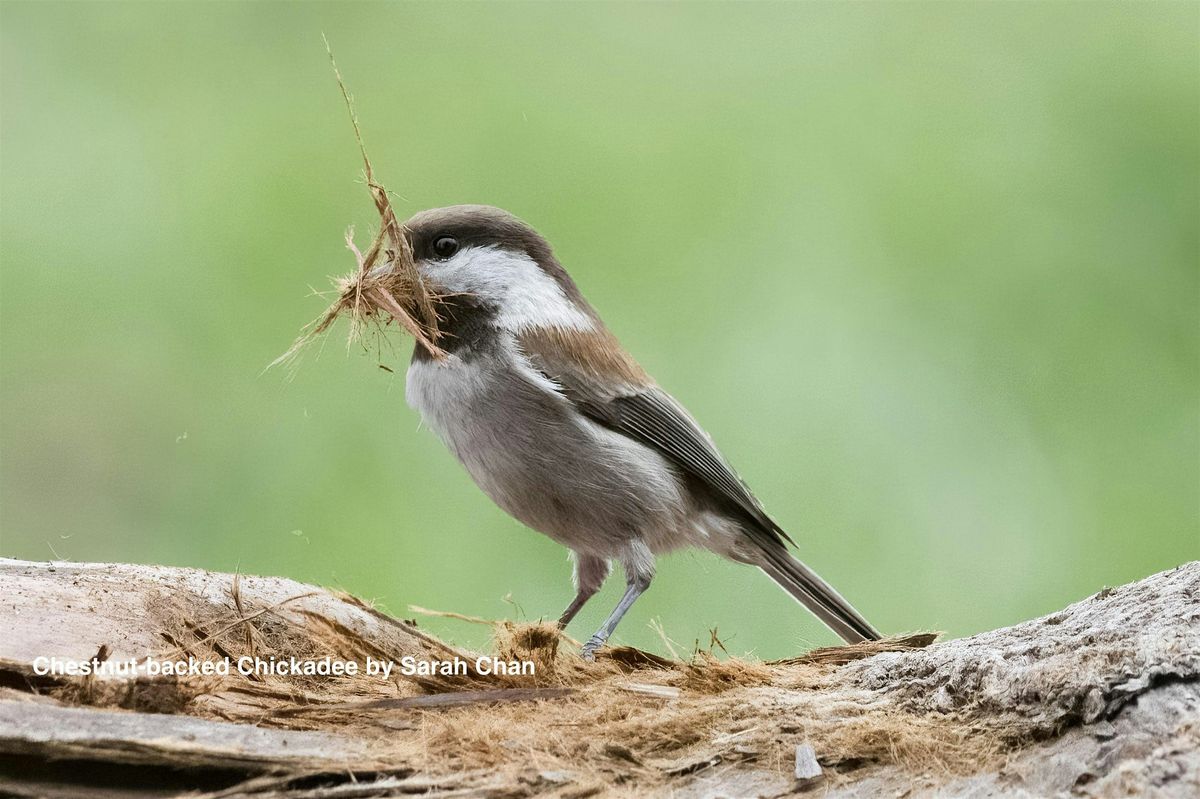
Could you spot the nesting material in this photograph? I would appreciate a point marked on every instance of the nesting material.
(385, 285)
(621, 717)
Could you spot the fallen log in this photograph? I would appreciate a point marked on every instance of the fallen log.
(1099, 699)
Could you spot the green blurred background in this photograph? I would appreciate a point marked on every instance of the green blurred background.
(927, 272)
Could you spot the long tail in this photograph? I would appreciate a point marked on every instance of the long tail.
(817, 595)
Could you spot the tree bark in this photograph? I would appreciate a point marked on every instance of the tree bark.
(1099, 699)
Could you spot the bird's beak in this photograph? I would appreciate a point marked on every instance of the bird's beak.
(380, 270)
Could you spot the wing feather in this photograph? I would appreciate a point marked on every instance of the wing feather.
(608, 386)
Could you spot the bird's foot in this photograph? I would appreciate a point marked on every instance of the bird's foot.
(588, 652)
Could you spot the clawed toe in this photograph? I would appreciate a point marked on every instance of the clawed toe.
(588, 652)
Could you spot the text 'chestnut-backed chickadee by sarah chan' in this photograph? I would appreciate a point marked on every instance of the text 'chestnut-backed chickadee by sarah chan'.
(407, 666)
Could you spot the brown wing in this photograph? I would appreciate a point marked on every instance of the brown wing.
(609, 387)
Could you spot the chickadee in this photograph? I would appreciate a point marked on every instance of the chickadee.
(563, 429)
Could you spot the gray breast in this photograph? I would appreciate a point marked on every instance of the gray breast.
(528, 449)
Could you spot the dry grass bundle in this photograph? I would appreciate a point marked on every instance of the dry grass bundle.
(385, 285)
(643, 719)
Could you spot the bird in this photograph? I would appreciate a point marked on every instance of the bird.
(558, 424)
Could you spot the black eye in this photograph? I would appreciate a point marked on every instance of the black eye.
(445, 246)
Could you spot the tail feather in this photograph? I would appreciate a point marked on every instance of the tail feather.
(817, 595)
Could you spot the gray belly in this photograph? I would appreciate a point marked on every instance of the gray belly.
(544, 463)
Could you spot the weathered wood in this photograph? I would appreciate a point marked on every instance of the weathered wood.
(113, 736)
(807, 767)
(1099, 699)
(72, 609)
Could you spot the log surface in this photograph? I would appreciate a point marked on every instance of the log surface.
(1099, 699)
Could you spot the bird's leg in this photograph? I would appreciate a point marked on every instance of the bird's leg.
(636, 582)
(590, 572)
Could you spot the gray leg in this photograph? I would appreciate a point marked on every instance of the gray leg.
(636, 583)
(590, 572)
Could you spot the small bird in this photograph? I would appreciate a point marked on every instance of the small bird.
(563, 429)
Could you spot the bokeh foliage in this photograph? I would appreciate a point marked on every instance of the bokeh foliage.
(927, 272)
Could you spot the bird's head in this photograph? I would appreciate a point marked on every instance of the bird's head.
(498, 265)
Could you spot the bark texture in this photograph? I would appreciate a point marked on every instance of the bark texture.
(1101, 699)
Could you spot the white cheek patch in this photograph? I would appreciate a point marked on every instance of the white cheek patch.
(525, 295)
